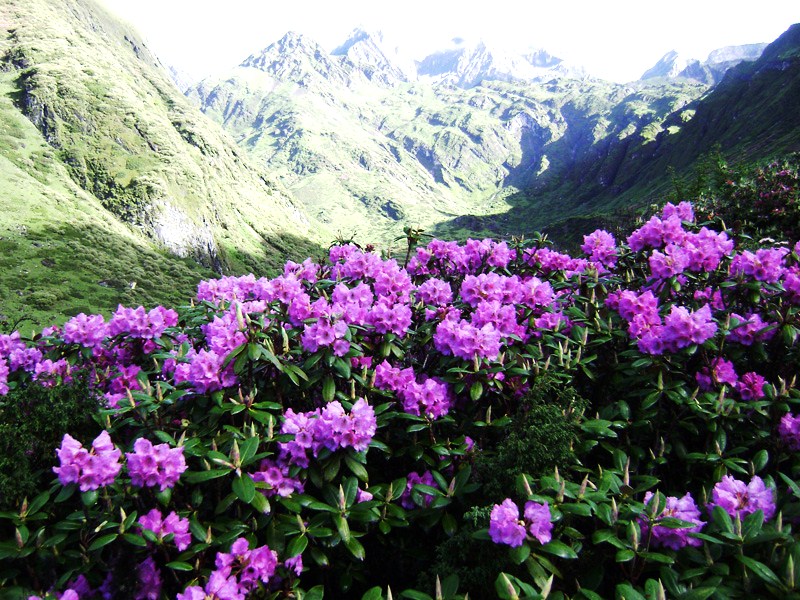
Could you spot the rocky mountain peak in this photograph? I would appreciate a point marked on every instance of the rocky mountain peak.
(668, 65)
(711, 71)
(296, 57)
(735, 53)
(370, 53)
(466, 65)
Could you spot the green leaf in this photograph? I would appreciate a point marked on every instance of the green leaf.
(244, 487)
(625, 555)
(520, 554)
(722, 519)
(414, 595)
(583, 510)
(375, 593)
(90, 497)
(272, 358)
(328, 389)
(38, 503)
(659, 557)
(248, 448)
(356, 468)
(760, 460)
(296, 546)
(66, 492)
(342, 527)
(626, 591)
(178, 565)
(791, 483)
(103, 540)
(559, 549)
(762, 570)
(476, 391)
(134, 539)
(260, 503)
(342, 367)
(355, 548)
(200, 476)
(315, 593)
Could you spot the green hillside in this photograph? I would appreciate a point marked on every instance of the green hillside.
(114, 188)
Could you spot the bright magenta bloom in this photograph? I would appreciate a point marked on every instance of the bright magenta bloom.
(740, 499)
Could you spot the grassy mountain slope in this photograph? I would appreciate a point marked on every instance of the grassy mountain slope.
(61, 252)
(113, 188)
(130, 139)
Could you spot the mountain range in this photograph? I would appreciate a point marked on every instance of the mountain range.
(119, 188)
(472, 139)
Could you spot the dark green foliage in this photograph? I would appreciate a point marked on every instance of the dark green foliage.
(763, 199)
(33, 421)
(475, 562)
(540, 438)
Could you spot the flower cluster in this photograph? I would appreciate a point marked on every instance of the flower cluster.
(237, 573)
(672, 537)
(505, 526)
(276, 475)
(150, 466)
(330, 427)
(171, 525)
(789, 430)
(428, 396)
(139, 323)
(740, 499)
(90, 470)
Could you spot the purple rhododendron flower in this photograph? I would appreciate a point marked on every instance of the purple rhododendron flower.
(3, 377)
(751, 386)
(159, 465)
(252, 566)
(172, 524)
(684, 509)
(505, 526)
(149, 575)
(90, 470)
(789, 430)
(601, 247)
(766, 264)
(538, 521)
(740, 499)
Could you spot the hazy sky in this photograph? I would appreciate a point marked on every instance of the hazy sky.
(613, 39)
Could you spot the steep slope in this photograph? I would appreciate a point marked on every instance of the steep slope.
(373, 154)
(750, 115)
(127, 137)
(61, 252)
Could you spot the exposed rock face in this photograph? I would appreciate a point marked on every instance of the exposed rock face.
(710, 72)
(370, 54)
(468, 66)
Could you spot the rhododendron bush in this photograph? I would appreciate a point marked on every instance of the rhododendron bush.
(491, 418)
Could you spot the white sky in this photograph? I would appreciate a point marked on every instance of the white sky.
(613, 39)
